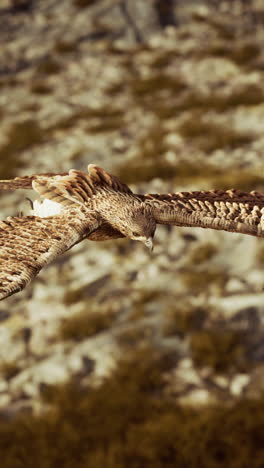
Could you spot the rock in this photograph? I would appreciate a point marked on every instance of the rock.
(166, 109)
(238, 384)
(196, 398)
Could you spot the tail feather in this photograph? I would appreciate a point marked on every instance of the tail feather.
(99, 175)
(70, 188)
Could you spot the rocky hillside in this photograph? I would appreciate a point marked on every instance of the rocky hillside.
(165, 107)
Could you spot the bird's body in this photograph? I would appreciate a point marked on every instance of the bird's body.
(97, 206)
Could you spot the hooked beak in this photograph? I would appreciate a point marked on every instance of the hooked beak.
(149, 243)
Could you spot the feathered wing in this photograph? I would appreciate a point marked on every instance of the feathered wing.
(25, 182)
(27, 244)
(76, 186)
(230, 210)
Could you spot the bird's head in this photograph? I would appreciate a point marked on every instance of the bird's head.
(140, 225)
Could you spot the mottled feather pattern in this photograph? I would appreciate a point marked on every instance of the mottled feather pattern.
(73, 183)
(98, 206)
(25, 182)
(67, 190)
(231, 210)
(29, 243)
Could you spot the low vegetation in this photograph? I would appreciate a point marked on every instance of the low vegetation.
(128, 423)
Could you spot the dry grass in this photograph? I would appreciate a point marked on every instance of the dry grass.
(84, 324)
(128, 423)
(221, 350)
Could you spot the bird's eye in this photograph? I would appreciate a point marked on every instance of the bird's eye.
(135, 234)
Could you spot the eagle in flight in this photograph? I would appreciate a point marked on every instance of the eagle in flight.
(98, 206)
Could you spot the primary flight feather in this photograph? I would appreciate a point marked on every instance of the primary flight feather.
(98, 206)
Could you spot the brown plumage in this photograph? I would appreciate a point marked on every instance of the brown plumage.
(98, 206)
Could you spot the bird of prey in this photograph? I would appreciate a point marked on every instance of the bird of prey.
(98, 206)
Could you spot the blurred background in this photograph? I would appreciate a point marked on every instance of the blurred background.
(115, 357)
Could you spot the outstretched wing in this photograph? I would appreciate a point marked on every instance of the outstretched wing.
(230, 210)
(76, 186)
(27, 244)
(25, 182)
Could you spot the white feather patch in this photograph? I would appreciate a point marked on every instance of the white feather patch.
(46, 208)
